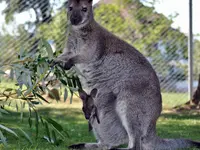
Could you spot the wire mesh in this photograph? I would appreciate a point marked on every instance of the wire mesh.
(135, 21)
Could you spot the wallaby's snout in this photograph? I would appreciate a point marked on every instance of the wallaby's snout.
(79, 11)
(87, 117)
(75, 18)
(87, 111)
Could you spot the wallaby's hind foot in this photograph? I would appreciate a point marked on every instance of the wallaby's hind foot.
(88, 146)
(77, 146)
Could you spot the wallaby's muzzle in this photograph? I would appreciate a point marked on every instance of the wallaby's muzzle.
(75, 18)
(87, 117)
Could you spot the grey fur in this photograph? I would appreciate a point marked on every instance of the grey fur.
(107, 62)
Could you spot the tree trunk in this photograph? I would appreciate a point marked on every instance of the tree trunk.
(196, 96)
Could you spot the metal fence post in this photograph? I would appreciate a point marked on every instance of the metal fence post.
(190, 53)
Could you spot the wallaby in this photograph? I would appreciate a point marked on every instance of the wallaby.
(110, 131)
(106, 62)
(89, 108)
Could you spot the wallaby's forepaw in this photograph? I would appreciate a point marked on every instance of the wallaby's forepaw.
(68, 65)
(65, 65)
(77, 146)
(56, 62)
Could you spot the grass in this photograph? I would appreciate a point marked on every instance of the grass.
(171, 100)
(71, 118)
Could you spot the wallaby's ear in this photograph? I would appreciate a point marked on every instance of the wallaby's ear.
(90, 1)
(93, 93)
(83, 95)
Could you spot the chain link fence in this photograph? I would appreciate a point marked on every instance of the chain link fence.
(25, 22)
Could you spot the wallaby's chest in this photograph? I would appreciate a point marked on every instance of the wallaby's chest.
(96, 75)
(77, 45)
(86, 73)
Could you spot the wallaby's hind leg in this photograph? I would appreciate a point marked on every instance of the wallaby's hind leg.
(129, 117)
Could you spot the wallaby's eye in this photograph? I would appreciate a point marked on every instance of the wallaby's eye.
(84, 9)
(70, 8)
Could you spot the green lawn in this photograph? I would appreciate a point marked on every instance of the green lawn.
(173, 99)
(71, 118)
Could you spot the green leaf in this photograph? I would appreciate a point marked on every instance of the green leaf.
(66, 134)
(2, 72)
(21, 53)
(36, 123)
(54, 136)
(30, 122)
(39, 71)
(46, 138)
(30, 114)
(17, 108)
(55, 124)
(35, 102)
(74, 81)
(41, 120)
(69, 82)
(41, 97)
(48, 48)
(24, 104)
(28, 92)
(65, 95)
(47, 130)
(63, 82)
(22, 112)
(29, 81)
(3, 138)
(27, 98)
(19, 92)
(12, 73)
(26, 136)
(3, 111)
(8, 90)
(71, 98)
(8, 130)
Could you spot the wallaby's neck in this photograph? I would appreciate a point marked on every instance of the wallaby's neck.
(85, 30)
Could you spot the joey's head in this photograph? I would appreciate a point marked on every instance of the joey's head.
(88, 102)
(79, 12)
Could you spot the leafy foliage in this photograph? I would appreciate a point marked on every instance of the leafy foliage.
(31, 71)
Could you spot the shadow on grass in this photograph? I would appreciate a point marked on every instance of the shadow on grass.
(178, 116)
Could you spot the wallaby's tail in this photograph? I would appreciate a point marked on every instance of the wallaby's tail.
(175, 143)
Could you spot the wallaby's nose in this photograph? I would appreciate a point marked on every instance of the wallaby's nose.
(75, 19)
(87, 116)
